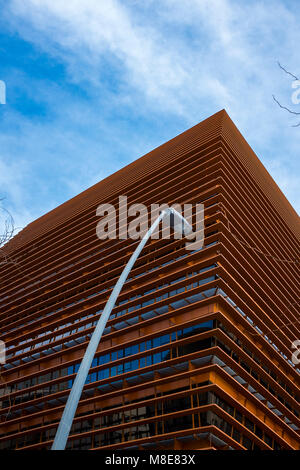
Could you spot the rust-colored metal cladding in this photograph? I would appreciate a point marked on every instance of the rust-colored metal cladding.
(197, 354)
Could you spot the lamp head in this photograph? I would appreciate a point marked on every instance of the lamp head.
(179, 223)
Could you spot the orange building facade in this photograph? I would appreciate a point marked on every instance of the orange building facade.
(197, 354)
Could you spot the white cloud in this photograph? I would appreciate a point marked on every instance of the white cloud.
(91, 28)
(185, 58)
(229, 48)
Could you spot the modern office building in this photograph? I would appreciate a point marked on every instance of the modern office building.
(198, 351)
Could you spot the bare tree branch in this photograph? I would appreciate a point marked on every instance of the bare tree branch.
(6, 233)
(287, 72)
(8, 225)
(285, 107)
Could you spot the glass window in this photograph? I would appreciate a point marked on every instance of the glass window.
(236, 435)
(247, 443)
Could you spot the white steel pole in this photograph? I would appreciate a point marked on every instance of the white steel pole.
(66, 421)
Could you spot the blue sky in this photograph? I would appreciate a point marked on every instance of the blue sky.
(92, 85)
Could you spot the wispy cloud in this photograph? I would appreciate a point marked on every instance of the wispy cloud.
(134, 74)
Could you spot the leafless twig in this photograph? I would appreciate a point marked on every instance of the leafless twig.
(287, 72)
(8, 225)
(6, 232)
(279, 104)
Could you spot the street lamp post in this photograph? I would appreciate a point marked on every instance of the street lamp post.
(61, 437)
